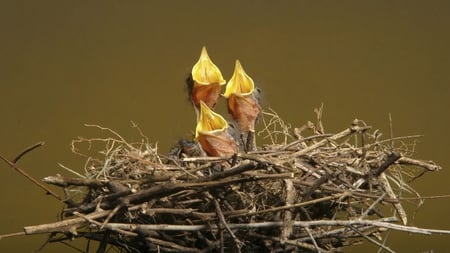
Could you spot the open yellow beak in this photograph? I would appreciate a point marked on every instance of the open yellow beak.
(240, 83)
(209, 121)
(205, 72)
(211, 132)
(207, 80)
(242, 104)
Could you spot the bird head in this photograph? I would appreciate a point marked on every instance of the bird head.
(240, 83)
(243, 106)
(205, 81)
(212, 133)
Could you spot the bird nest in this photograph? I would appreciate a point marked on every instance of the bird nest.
(305, 190)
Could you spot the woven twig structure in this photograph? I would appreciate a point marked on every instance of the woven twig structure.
(314, 193)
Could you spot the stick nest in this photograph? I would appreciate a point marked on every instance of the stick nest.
(304, 191)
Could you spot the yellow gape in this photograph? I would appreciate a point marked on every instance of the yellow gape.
(205, 82)
(212, 133)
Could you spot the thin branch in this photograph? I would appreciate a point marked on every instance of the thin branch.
(61, 181)
(65, 225)
(30, 148)
(390, 193)
(335, 137)
(371, 240)
(290, 197)
(429, 165)
(312, 239)
(377, 223)
(392, 158)
(305, 139)
(11, 235)
(222, 220)
(371, 207)
(25, 174)
(173, 245)
(306, 203)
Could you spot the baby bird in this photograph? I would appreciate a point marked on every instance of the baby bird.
(204, 82)
(212, 133)
(243, 105)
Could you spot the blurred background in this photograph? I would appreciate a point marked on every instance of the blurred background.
(67, 63)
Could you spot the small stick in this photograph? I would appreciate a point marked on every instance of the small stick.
(111, 215)
(314, 201)
(66, 181)
(364, 215)
(39, 184)
(177, 247)
(393, 139)
(12, 235)
(336, 232)
(237, 242)
(319, 112)
(426, 165)
(62, 226)
(323, 179)
(238, 169)
(207, 182)
(312, 239)
(294, 242)
(335, 137)
(354, 193)
(371, 240)
(287, 217)
(104, 242)
(284, 147)
(169, 210)
(425, 197)
(392, 158)
(391, 194)
(30, 148)
(376, 223)
(391, 130)
(250, 144)
(307, 246)
(99, 224)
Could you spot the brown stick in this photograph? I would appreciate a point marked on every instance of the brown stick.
(287, 217)
(173, 245)
(66, 225)
(242, 167)
(222, 220)
(392, 158)
(11, 235)
(429, 165)
(169, 188)
(391, 194)
(25, 174)
(306, 203)
(335, 137)
(250, 144)
(66, 181)
(378, 223)
(30, 148)
(63, 226)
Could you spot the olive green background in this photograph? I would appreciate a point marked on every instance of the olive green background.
(67, 63)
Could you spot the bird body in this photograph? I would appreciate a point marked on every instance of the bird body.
(243, 105)
(207, 93)
(244, 109)
(212, 133)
